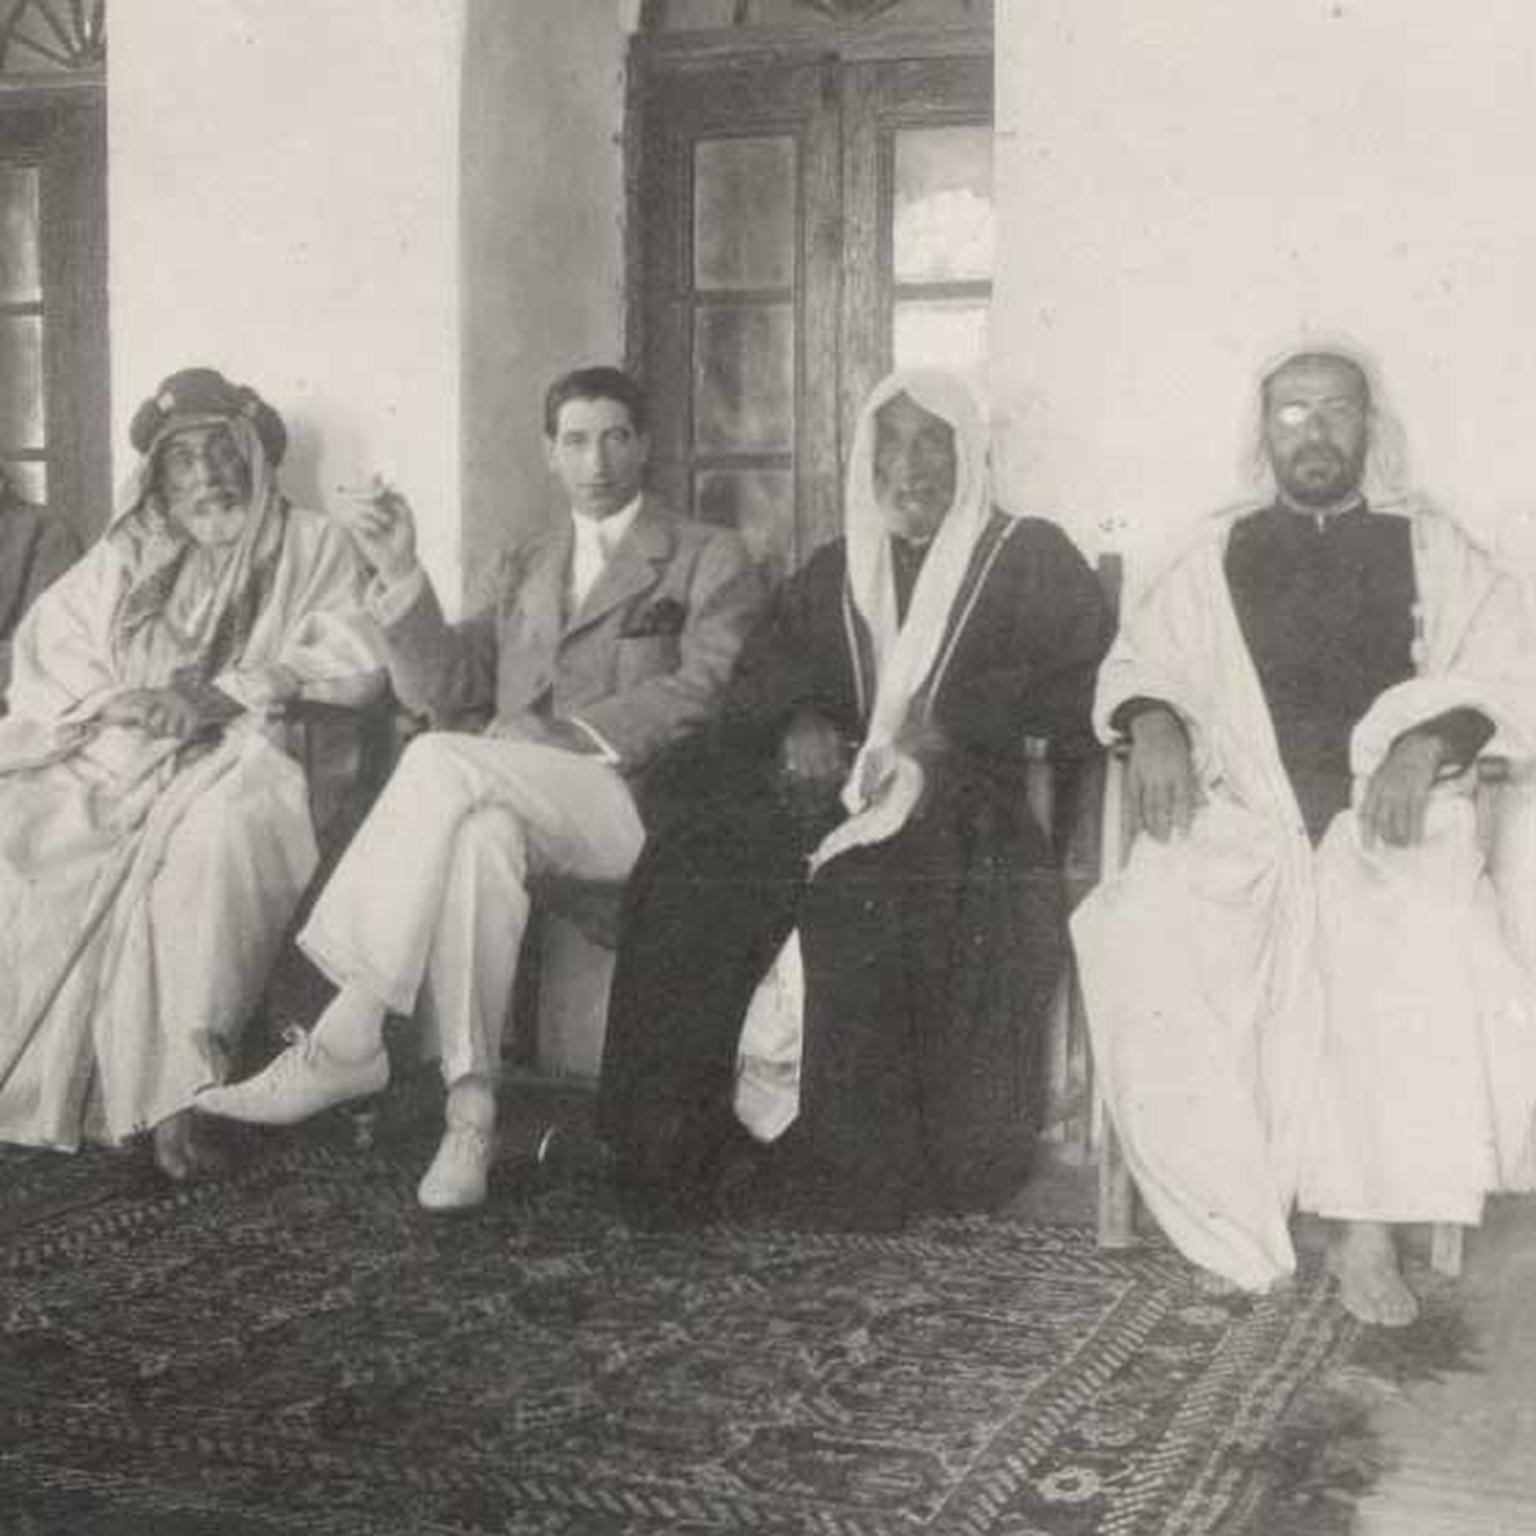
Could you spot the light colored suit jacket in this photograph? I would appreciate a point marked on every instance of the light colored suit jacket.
(642, 661)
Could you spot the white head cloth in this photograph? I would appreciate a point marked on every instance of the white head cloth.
(173, 603)
(905, 654)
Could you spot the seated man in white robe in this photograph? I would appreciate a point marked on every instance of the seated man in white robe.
(1298, 989)
(154, 838)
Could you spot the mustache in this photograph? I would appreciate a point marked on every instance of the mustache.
(1317, 453)
(213, 499)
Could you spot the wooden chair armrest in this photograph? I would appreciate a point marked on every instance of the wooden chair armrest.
(378, 728)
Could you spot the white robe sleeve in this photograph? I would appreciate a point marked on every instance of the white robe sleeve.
(62, 663)
(325, 637)
(1479, 653)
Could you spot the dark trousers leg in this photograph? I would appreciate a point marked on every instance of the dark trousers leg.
(929, 966)
(872, 978)
(710, 905)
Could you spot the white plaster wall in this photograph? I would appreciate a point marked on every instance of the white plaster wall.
(543, 199)
(1190, 186)
(284, 206)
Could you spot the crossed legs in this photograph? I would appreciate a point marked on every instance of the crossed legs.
(431, 898)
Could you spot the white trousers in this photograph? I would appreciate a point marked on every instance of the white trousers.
(433, 889)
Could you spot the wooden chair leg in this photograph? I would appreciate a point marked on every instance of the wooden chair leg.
(1445, 1244)
(1117, 1192)
(1117, 1195)
(1082, 1133)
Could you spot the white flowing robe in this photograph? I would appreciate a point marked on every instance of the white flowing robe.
(1344, 1028)
(143, 889)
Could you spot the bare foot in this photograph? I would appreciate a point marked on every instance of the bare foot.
(173, 1147)
(182, 1152)
(1371, 1286)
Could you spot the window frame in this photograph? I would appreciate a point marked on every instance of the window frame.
(845, 97)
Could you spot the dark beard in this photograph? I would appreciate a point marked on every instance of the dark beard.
(1320, 491)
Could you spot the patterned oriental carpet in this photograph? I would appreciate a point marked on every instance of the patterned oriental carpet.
(298, 1349)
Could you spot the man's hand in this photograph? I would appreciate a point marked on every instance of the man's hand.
(160, 711)
(812, 757)
(891, 783)
(1160, 778)
(1398, 793)
(382, 526)
(276, 684)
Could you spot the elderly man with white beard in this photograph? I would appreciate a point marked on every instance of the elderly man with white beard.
(154, 839)
(1298, 987)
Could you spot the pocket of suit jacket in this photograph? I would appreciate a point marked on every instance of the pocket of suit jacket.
(641, 657)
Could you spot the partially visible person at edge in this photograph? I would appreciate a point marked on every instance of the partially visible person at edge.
(1298, 988)
(605, 649)
(154, 840)
(36, 547)
(866, 861)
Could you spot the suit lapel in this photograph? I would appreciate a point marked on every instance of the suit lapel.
(635, 566)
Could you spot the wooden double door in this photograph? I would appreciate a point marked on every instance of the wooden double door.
(803, 226)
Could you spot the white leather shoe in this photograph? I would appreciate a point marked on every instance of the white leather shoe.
(456, 1179)
(296, 1084)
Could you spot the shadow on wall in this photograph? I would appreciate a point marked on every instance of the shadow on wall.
(301, 465)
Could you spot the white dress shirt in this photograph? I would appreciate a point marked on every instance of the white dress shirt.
(596, 538)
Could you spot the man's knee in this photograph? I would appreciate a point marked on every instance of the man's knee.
(242, 821)
(495, 830)
(1438, 870)
(437, 780)
(429, 755)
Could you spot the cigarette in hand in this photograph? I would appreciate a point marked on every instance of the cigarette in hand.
(378, 490)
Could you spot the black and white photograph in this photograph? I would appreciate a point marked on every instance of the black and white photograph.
(767, 768)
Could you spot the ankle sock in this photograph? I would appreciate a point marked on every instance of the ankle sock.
(472, 1101)
(352, 1027)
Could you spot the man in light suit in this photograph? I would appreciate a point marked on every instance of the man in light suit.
(606, 648)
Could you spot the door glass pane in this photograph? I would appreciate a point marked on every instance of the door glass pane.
(940, 333)
(21, 381)
(942, 220)
(19, 280)
(28, 479)
(759, 504)
(744, 213)
(744, 378)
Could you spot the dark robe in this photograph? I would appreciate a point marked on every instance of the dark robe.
(930, 958)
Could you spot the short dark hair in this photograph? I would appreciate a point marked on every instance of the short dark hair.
(599, 383)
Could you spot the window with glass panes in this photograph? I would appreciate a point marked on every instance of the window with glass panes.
(803, 226)
(54, 441)
(23, 409)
